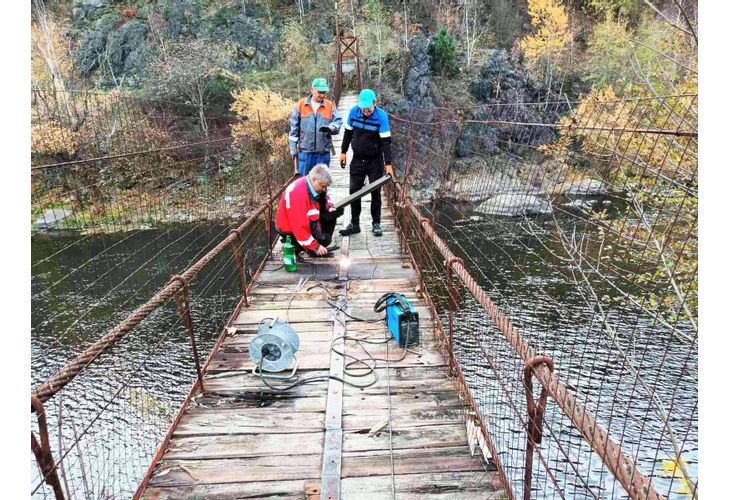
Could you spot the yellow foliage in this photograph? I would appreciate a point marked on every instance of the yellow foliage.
(51, 139)
(50, 53)
(264, 117)
(550, 20)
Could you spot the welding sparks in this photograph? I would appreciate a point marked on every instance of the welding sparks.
(345, 262)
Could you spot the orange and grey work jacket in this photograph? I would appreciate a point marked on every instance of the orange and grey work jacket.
(304, 133)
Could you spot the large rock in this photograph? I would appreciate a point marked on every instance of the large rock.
(127, 48)
(52, 218)
(515, 205)
(503, 88)
(86, 9)
(499, 76)
(255, 43)
(584, 188)
(474, 180)
(93, 45)
(417, 83)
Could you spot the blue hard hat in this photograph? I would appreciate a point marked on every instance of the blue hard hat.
(367, 97)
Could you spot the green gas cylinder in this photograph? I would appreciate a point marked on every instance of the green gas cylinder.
(290, 260)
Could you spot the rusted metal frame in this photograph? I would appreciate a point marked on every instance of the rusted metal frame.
(513, 405)
(168, 436)
(535, 416)
(452, 303)
(127, 155)
(42, 450)
(69, 371)
(357, 63)
(459, 375)
(240, 263)
(653, 131)
(187, 317)
(636, 484)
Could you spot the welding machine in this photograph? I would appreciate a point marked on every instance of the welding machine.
(401, 318)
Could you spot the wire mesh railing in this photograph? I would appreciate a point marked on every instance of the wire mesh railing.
(113, 354)
(571, 231)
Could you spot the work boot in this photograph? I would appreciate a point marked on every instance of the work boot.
(377, 231)
(350, 229)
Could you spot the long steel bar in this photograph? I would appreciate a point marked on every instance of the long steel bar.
(636, 484)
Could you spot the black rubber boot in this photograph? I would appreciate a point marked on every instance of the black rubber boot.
(350, 229)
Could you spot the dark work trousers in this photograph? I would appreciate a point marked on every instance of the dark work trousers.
(372, 168)
(322, 230)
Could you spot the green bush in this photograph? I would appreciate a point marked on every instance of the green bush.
(443, 54)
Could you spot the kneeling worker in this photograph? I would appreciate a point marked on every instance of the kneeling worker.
(306, 213)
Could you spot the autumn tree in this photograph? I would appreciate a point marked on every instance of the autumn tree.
(261, 129)
(187, 73)
(547, 49)
(473, 19)
(296, 51)
(375, 34)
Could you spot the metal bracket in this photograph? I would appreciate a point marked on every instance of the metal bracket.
(535, 415)
(188, 320)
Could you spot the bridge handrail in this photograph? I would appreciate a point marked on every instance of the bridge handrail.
(623, 467)
(70, 370)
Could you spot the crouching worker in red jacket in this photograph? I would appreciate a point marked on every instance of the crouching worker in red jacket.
(306, 212)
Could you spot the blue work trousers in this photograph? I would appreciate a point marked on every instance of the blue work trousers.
(308, 160)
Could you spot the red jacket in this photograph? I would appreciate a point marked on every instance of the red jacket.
(297, 210)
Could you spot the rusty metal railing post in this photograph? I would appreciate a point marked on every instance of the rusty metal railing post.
(535, 416)
(42, 450)
(188, 321)
(240, 264)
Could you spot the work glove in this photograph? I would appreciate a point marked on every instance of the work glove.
(389, 170)
(343, 160)
(325, 130)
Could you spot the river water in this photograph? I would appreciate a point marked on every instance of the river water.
(119, 408)
(616, 358)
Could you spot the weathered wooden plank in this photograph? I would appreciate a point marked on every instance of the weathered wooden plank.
(435, 436)
(409, 461)
(440, 485)
(248, 470)
(332, 453)
(244, 446)
(233, 491)
(248, 316)
(403, 418)
(274, 403)
(403, 285)
(310, 355)
(208, 423)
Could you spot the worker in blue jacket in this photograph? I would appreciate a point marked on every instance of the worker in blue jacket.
(368, 129)
(313, 122)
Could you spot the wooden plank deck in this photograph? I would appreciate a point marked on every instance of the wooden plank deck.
(240, 440)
